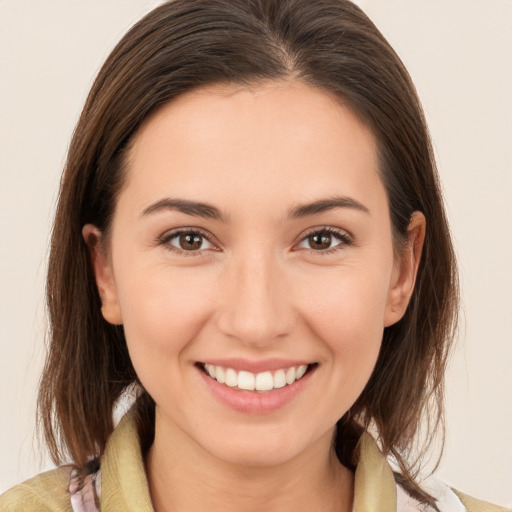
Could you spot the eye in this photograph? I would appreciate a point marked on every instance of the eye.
(186, 241)
(325, 240)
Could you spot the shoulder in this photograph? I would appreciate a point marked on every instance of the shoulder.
(46, 492)
(377, 485)
(446, 498)
(476, 505)
(449, 499)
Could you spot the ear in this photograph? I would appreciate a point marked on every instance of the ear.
(103, 274)
(406, 270)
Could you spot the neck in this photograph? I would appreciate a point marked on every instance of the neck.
(183, 476)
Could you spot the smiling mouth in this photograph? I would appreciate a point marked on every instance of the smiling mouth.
(262, 382)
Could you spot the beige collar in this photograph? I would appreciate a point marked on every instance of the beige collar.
(374, 487)
(124, 485)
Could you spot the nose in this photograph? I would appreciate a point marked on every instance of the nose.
(256, 304)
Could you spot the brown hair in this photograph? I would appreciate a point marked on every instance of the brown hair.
(182, 45)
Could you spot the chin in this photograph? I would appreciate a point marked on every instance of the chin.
(256, 455)
(255, 448)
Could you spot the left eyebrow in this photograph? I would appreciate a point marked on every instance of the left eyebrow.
(323, 205)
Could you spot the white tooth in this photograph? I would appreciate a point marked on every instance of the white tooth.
(279, 379)
(220, 374)
(290, 375)
(210, 369)
(231, 378)
(264, 381)
(246, 380)
(301, 370)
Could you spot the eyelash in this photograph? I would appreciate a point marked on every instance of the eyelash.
(344, 239)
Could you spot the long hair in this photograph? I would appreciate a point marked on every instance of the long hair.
(186, 44)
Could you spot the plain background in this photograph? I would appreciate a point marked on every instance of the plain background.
(459, 53)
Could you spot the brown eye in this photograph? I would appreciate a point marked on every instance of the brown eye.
(190, 241)
(325, 241)
(320, 241)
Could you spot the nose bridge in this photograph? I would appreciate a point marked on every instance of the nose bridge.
(256, 308)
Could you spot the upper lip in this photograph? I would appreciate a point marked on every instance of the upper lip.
(263, 365)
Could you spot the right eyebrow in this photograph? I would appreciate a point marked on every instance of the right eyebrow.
(197, 209)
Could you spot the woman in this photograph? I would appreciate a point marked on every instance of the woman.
(250, 234)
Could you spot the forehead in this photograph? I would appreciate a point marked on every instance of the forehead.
(276, 140)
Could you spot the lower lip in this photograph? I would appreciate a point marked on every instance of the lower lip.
(253, 402)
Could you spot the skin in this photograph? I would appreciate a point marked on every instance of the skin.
(259, 289)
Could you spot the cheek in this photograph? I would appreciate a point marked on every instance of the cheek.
(348, 301)
(348, 319)
(162, 311)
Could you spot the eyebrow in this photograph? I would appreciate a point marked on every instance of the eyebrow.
(208, 211)
(197, 209)
(324, 205)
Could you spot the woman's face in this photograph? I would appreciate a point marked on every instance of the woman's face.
(252, 241)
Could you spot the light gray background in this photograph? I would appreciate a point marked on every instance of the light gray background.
(459, 53)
